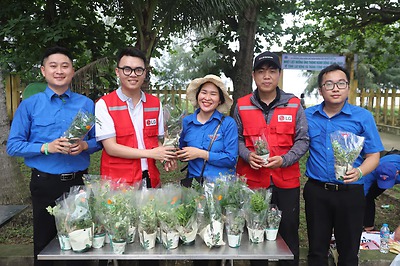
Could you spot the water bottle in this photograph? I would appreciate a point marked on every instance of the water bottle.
(385, 234)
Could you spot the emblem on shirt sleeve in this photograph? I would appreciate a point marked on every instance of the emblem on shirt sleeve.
(285, 118)
(151, 122)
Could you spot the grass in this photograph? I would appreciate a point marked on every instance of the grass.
(20, 231)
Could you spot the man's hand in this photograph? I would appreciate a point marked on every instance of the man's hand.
(60, 145)
(163, 153)
(78, 147)
(274, 162)
(255, 161)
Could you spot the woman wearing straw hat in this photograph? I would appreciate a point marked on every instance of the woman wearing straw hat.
(210, 96)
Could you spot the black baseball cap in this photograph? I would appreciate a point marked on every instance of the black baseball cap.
(266, 57)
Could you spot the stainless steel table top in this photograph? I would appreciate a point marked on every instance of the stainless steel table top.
(268, 250)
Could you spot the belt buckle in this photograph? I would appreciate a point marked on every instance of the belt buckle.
(67, 177)
(331, 187)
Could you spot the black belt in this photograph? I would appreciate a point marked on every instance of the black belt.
(334, 187)
(62, 177)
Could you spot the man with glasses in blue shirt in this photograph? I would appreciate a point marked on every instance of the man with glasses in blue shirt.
(35, 133)
(331, 204)
(131, 126)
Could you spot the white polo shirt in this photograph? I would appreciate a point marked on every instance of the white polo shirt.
(105, 128)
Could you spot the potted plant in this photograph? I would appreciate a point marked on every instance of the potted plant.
(186, 214)
(173, 117)
(169, 223)
(96, 208)
(346, 148)
(261, 147)
(60, 216)
(211, 226)
(148, 225)
(256, 214)
(235, 222)
(274, 217)
(233, 190)
(79, 220)
(117, 219)
(80, 126)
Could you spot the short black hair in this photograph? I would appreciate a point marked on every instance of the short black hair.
(56, 50)
(131, 51)
(331, 68)
(221, 94)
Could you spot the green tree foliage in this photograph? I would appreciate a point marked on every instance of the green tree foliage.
(28, 27)
(181, 63)
(368, 30)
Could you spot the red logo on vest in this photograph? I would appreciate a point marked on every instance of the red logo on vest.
(284, 118)
(151, 122)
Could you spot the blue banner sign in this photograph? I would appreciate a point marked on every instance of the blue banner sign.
(311, 61)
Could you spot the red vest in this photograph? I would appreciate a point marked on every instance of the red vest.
(130, 170)
(280, 133)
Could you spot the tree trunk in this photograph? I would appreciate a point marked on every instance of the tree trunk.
(14, 186)
(242, 78)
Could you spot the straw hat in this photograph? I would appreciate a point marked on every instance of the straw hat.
(196, 83)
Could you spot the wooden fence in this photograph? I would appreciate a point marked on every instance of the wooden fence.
(384, 103)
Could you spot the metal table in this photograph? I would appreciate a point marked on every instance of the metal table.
(268, 250)
(9, 211)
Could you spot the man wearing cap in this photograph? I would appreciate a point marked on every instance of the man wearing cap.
(277, 115)
(385, 176)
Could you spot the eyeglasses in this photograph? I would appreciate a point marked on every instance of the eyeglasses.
(329, 85)
(128, 70)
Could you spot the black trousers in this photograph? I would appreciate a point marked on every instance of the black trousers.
(288, 201)
(45, 189)
(340, 211)
(369, 216)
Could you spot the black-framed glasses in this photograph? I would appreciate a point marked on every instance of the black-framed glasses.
(329, 85)
(128, 70)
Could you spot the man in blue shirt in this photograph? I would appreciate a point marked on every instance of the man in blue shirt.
(332, 204)
(385, 176)
(35, 134)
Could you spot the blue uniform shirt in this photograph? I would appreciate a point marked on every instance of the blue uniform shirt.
(224, 150)
(373, 176)
(43, 118)
(320, 163)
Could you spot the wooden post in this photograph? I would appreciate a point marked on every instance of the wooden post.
(378, 107)
(352, 83)
(392, 108)
(385, 106)
(13, 95)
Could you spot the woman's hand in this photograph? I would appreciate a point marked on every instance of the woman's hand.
(191, 153)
